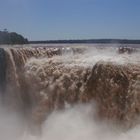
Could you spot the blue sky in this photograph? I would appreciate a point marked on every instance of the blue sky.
(71, 19)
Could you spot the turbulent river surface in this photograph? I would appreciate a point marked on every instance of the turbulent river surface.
(70, 92)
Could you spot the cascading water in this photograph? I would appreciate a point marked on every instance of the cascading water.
(37, 82)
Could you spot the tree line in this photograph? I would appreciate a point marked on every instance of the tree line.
(12, 38)
(88, 41)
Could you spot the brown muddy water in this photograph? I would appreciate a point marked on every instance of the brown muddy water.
(69, 92)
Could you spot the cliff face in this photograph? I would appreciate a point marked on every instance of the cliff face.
(12, 38)
(2, 71)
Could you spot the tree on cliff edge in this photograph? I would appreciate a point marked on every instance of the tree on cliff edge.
(11, 38)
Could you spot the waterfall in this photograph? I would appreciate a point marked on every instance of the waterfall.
(40, 80)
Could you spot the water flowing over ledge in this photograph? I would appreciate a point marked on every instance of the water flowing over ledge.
(39, 80)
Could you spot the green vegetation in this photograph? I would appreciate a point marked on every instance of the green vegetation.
(11, 38)
(104, 41)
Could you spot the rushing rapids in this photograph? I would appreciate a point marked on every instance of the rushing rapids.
(40, 80)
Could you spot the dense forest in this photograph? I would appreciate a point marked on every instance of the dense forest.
(12, 38)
